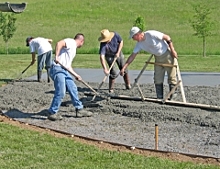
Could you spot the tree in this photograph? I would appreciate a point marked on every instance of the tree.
(202, 24)
(7, 27)
(139, 22)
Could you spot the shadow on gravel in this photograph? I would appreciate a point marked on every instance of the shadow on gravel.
(17, 114)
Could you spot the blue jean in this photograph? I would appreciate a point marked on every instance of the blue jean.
(44, 58)
(62, 81)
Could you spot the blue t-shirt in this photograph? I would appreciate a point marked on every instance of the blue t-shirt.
(111, 47)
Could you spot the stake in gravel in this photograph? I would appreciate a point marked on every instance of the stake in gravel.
(156, 137)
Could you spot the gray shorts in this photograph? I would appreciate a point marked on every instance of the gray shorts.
(120, 62)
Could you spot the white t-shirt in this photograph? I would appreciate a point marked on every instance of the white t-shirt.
(67, 54)
(40, 45)
(153, 43)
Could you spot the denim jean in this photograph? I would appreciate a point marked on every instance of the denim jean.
(62, 81)
(44, 58)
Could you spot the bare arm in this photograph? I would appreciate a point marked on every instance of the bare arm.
(102, 60)
(127, 63)
(33, 58)
(61, 44)
(119, 48)
(170, 44)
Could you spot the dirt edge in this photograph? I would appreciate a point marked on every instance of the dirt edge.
(107, 146)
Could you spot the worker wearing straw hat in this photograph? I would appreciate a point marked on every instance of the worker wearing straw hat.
(111, 45)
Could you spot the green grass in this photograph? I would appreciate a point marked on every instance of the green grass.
(59, 19)
(20, 148)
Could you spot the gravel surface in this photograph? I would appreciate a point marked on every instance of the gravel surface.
(181, 129)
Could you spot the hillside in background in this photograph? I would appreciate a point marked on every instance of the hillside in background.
(60, 19)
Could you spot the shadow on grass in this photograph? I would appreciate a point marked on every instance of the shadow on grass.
(5, 80)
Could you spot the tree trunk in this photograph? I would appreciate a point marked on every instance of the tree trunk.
(204, 47)
(7, 48)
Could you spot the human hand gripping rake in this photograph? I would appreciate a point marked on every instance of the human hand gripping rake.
(104, 79)
(87, 85)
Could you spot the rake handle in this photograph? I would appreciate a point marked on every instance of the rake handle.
(79, 80)
(143, 69)
(104, 79)
(26, 69)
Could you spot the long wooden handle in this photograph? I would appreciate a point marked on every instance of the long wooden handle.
(26, 69)
(79, 80)
(104, 79)
(181, 84)
(141, 72)
(162, 64)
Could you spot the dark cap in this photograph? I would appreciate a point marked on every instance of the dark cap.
(28, 39)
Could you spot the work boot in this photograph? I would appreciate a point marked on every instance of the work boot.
(127, 81)
(174, 95)
(39, 74)
(83, 113)
(159, 90)
(48, 75)
(111, 85)
(54, 117)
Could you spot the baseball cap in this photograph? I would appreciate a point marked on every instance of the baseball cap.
(28, 39)
(133, 31)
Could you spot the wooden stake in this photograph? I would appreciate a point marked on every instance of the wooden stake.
(156, 137)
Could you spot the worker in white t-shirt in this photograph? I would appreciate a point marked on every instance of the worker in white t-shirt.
(161, 46)
(43, 48)
(64, 54)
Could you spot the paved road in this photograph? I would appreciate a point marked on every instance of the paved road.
(189, 78)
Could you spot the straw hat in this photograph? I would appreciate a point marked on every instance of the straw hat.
(106, 35)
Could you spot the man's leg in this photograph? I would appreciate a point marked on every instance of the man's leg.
(111, 85)
(113, 72)
(172, 77)
(121, 62)
(159, 73)
(48, 63)
(72, 89)
(40, 65)
(58, 77)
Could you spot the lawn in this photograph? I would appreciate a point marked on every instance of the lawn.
(59, 19)
(21, 148)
